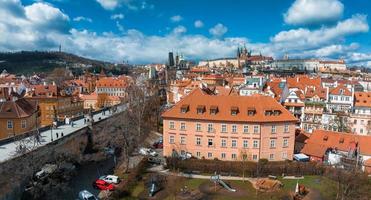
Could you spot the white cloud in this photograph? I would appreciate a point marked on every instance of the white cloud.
(109, 4)
(199, 24)
(306, 38)
(218, 30)
(119, 26)
(130, 4)
(44, 27)
(81, 18)
(176, 18)
(118, 16)
(179, 30)
(304, 12)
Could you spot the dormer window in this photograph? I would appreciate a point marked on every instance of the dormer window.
(276, 112)
(251, 111)
(268, 112)
(234, 110)
(200, 109)
(325, 138)
(184, 108)
(213, 110)
(341, 140)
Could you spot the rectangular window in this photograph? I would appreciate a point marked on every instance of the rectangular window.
(210, 128)
(182, 126)
(273, 130)
(286, 129)
(285, 142)
(271, 156)
(23, 124)
(198, 154)
(245, 129)
(284, 155)
(234, 143)
(182, 140)
(245, 144)
(171, 139)
(224, 143)
(273, 143)
(210, 142)
(255, 144)
(209, 155)
(10, 124)
(234, 128)
(234, 156)
(256, 129)
(198, 127)
(224, 128)
(171, 125)
(198, 141)
(223, 155)
(255, 157)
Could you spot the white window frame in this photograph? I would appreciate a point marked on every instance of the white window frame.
(171, 139)
(245, 128)
(234, 128)
(24, 124)
(224, 128)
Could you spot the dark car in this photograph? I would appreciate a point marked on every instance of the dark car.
(103, 185)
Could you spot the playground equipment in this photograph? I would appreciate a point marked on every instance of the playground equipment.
(216, 179)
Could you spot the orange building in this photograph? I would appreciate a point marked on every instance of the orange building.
(229, 127)
(55, 104)
(18, 116)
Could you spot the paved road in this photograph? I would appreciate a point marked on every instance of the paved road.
(8, 151)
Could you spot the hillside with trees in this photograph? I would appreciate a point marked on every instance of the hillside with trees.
(28, 62)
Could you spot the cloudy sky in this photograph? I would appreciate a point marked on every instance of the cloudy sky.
(143, 31)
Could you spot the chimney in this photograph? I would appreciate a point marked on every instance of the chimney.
(53, 83)
(44, 83)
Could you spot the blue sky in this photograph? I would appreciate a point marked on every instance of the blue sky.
(143, 31)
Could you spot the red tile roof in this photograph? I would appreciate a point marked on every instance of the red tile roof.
(110, 82)
(321, 140)
(340, 89)
(17, 109)
(362, 99)
(260, 104)
(319, 91)
(41, 90)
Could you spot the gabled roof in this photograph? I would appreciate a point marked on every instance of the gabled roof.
(262, 105)
(313, 91)
(340, 89)
(302, 81)
(17, 109)
(321, 140)
(362, 99)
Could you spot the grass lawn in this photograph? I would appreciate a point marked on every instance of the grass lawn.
(325, 186)
(139, 188)
(193, 183)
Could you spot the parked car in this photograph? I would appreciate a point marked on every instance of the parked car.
(86, 195)
(158, 145)
(103, 185)
(46, 170)
(185, 156)
(147, 152)
(110, 179)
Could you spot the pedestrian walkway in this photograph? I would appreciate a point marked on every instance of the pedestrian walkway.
(9, 150)
(159, 169)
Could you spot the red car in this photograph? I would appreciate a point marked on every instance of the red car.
(158, 145)
(103, 185)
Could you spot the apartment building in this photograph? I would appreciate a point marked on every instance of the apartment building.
(360, 117)
(229, 127)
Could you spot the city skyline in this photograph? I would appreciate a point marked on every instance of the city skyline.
(144, 31)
